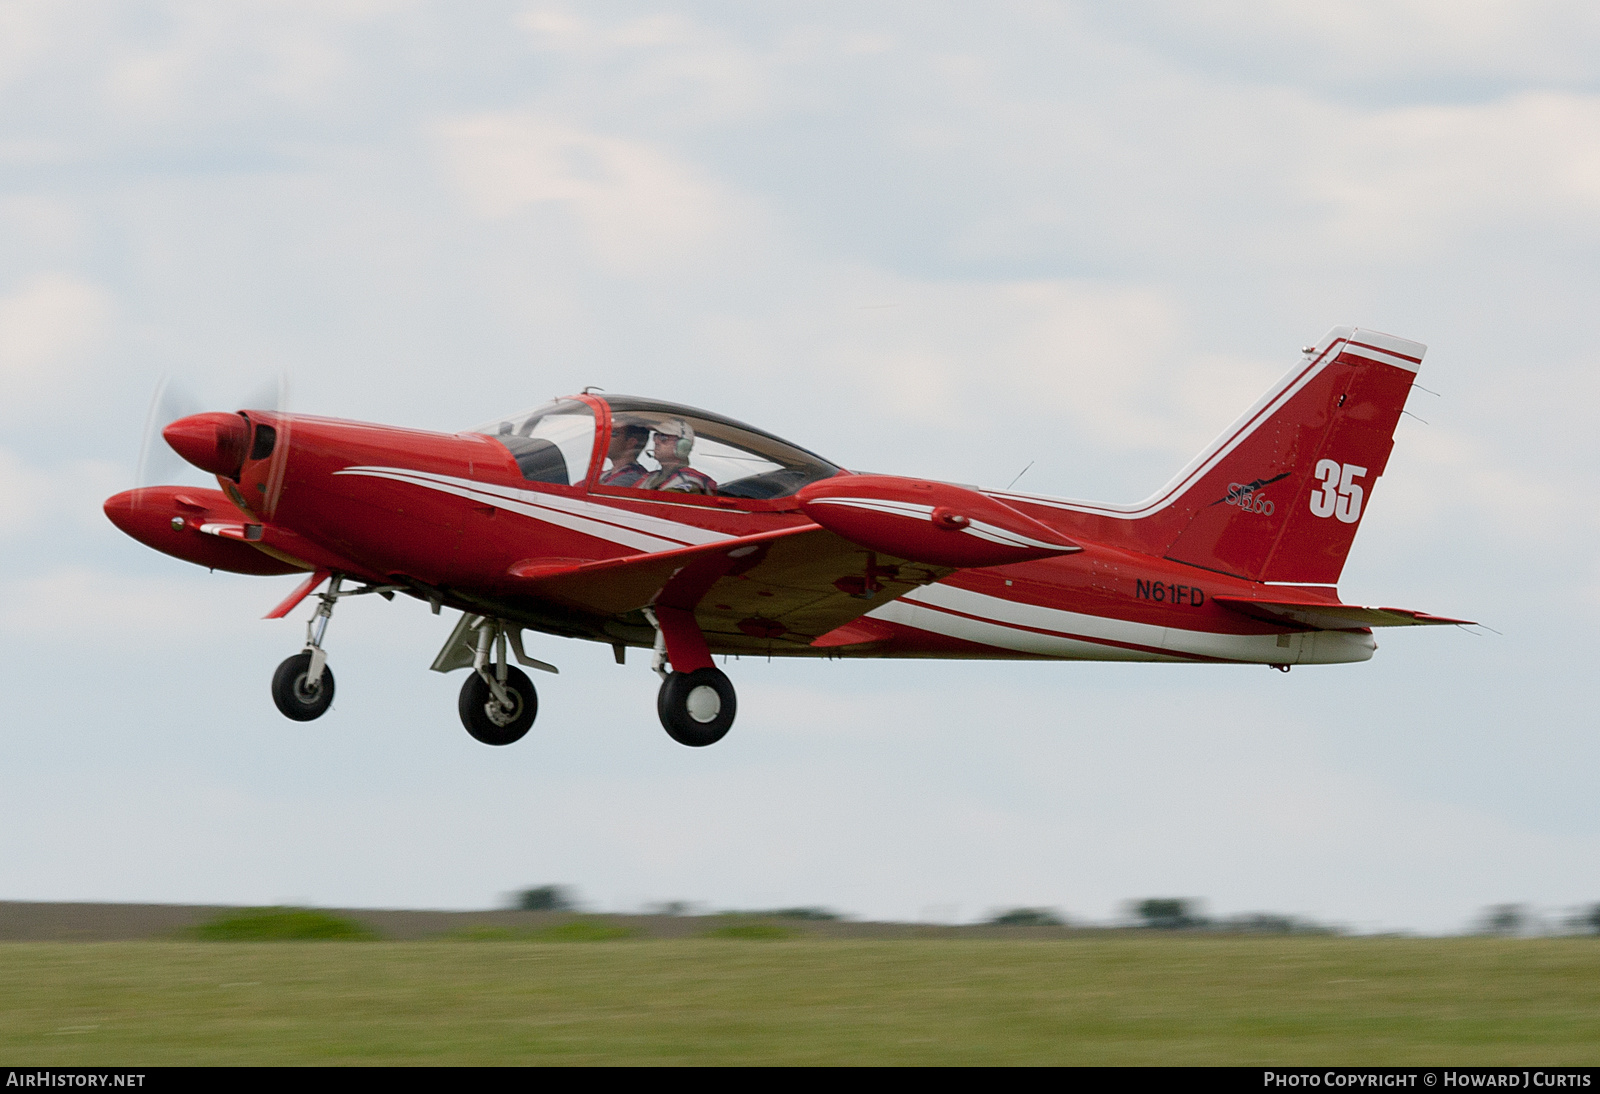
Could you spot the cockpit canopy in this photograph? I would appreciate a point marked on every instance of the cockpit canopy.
(655, 446)
(552, 443)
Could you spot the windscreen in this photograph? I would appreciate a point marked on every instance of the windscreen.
(551, 444)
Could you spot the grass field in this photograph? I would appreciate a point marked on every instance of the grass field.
(1111, 1000)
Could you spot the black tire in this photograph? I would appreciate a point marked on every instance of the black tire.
(483, 717)
(693, 716)
(290, 693)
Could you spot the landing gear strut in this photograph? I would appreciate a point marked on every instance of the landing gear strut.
(302, 687)
(498, 702)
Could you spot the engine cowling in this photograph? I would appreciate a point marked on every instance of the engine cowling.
(931, 522)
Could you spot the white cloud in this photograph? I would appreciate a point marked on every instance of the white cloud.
(1409, 183)
(49, 326)
(200, 63)
(24, 36)
(1360, 42)
(137, 610)
(1445, 470)
(33, 498)
(636, 206)
(1107, 362)
(44, 221)
(668, 71)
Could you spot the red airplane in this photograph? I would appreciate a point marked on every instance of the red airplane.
(642, 523)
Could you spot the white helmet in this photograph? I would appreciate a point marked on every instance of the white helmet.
(677, 427)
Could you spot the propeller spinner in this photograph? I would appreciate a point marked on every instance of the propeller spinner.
(213, 442)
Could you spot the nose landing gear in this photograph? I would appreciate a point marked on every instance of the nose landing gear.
(297, 694)
(302, 688)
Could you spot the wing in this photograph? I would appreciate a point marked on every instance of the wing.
(1329, 616)
(790, 587)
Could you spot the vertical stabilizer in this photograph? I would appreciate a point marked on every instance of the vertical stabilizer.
(1279, 497)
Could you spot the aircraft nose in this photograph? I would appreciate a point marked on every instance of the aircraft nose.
(120, 509)
(213, 442)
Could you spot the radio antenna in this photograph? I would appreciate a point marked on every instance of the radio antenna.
(1021, 473)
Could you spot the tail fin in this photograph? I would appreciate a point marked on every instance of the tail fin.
(1280, 495)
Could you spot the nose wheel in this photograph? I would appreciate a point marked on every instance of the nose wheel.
(297, 694)
(302, 688)
(697, 708)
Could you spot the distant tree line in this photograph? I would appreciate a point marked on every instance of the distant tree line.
(1172, 914)
(1511, 920)
(1150, 913)
(561, 898)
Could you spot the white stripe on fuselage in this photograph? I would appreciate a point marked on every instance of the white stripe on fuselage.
(916, 511)
(1012, 625)
(624, 527)
(999, 622)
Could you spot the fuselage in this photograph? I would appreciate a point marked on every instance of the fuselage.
(453, 518)
(642, 523)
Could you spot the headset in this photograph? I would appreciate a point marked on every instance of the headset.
(677, 427)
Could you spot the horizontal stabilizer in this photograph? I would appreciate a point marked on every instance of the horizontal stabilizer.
(1328, 615)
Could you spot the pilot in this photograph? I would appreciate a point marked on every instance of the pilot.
(674, 441)
(627, 441)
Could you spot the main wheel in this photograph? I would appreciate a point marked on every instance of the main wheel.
(697, 708)
(492, 723)
(294, 697)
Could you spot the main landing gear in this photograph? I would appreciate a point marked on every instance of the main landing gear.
(696, 707)
(498, 703)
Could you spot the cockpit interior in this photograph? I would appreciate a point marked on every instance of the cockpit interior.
(654, 446)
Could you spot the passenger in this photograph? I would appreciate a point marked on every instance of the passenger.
(627, 441)
(674, 441)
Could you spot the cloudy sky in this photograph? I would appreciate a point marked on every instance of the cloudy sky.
(944, 240)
